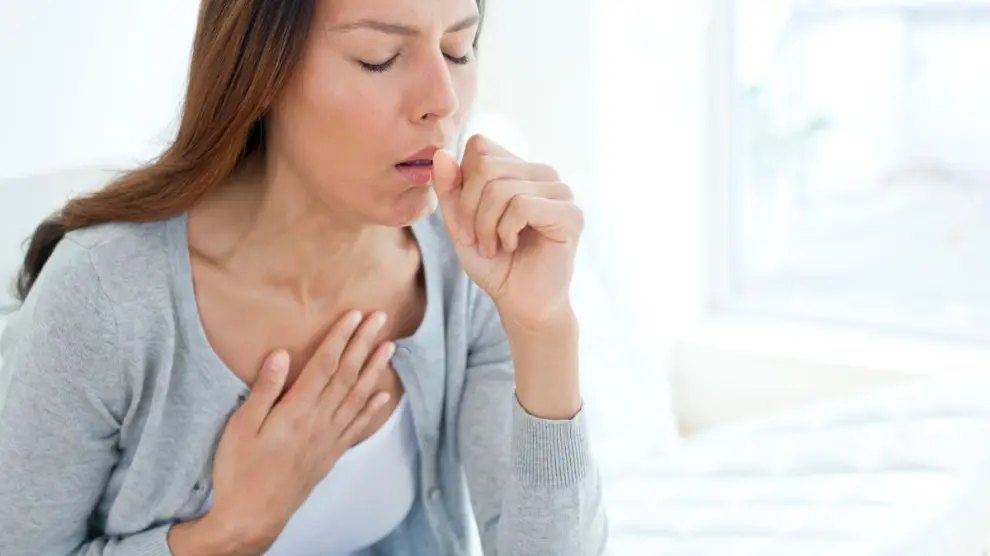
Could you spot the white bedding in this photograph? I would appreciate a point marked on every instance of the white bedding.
(902, 472)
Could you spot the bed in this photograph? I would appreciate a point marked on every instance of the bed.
(903, 471)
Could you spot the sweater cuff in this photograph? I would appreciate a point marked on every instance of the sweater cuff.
(547, 453)
(153, 542)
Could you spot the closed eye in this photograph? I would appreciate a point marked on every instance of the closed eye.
(378, 68)
(459, 60)
(386, 65)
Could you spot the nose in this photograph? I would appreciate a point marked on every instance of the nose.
(436, 95)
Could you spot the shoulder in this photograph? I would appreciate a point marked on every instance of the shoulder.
(94, 284)
(118, 252)
(101, 287)
(132, 264)
(95, 266)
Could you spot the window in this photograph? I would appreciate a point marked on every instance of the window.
(859, 181)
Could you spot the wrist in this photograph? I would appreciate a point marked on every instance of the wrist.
(549, 322)
(212, 535)
(545, 357)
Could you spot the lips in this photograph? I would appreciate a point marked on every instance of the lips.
(418, 168)
(422, 157)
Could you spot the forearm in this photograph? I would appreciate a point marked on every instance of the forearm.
(545, 358)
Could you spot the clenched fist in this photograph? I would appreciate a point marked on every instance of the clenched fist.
(515, 228)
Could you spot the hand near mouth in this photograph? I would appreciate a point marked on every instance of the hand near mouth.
(515, 229)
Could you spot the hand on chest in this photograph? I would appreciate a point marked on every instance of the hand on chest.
(244, 343)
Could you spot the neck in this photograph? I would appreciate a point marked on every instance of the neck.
(280, 236)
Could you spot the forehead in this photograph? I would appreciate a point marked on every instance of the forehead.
(409, 12)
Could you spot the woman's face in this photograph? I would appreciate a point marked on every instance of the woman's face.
(380, 82)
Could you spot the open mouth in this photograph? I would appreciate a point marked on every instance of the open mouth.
(419, 172)
(416, 163)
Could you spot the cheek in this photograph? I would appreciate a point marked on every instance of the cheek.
(332, 123)
(345, 109)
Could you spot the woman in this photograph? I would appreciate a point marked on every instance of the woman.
(287, 241)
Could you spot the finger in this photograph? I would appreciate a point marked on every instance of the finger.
(480, 170)
(447, 185)
(560, 221)
(472, 172)
(483, 144)
(358, 349)
(267, 387)
(345, 403)
(352, 433)
(323, 364)
(495, 201)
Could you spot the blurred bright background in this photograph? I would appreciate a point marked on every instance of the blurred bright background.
(787, 200)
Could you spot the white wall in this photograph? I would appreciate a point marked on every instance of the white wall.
(89, 81)
(535, 71)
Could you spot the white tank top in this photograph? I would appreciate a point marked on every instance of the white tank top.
(365, 496)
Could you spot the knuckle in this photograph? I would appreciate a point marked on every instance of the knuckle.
(547, 172)
(505, 229)
(329, 359)
(486, 167)
(564, 191)
(477, 144)
(363, 389)
(350, 362)
(350, 408)
(501, 192)
(481, 167)
(347, 376)
(487, 205)
(579, 217)
(300, 420)
(514, 204)
(491, 191)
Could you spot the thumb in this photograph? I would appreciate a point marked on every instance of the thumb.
(448, 186)
(268, 386)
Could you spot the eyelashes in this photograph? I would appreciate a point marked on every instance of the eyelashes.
(385, 66)
(379, 68)
(460, 61)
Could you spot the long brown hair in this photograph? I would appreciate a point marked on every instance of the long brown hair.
(243, 53)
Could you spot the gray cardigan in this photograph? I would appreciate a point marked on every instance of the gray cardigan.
(117, 401)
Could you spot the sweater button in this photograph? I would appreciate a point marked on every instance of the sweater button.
(435, 494)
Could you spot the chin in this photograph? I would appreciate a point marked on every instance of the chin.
(413, 206)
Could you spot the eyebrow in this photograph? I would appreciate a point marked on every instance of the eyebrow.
(398, 29)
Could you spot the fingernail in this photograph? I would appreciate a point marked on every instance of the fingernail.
(354, 318)
(389, 351)
(280, 362)
(382, 399)
(378, 321)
